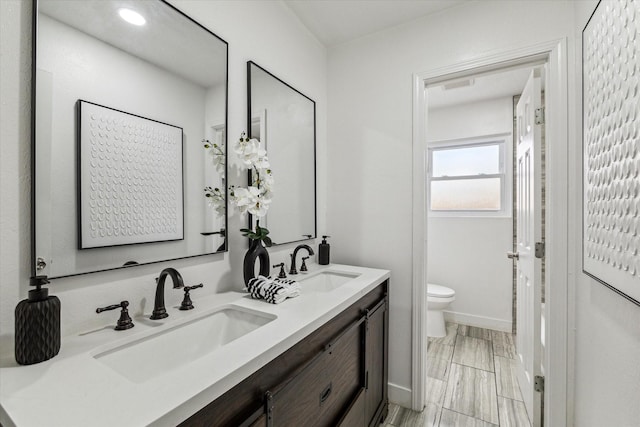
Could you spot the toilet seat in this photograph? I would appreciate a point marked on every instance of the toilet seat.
(439, 291)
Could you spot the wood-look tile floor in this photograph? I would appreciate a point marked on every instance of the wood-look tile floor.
(472, 383)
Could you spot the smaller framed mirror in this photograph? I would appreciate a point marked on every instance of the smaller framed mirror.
(284, 120)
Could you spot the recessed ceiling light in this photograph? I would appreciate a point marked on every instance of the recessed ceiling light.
(132, 17)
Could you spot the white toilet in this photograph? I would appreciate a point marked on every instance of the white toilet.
(438, 298)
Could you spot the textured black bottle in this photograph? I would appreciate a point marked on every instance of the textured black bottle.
(323, 251)
(37, 325)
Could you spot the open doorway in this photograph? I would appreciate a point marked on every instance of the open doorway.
(554, 355)
(473, 198)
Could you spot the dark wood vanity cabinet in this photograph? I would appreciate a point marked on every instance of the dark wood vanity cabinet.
(336, 376)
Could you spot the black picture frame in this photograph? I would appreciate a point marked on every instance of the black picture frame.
(81, 196)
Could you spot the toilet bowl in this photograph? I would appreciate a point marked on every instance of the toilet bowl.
(438, 298)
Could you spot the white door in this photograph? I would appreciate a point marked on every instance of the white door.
(529, 231)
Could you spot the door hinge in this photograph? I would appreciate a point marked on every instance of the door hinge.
(540, 250)
(539, 116)
(538, 384)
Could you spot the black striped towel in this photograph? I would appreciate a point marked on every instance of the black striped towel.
(272, 290)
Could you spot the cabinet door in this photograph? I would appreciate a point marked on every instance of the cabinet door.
(376, 344)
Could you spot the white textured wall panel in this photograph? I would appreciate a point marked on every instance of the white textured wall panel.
(611, 73)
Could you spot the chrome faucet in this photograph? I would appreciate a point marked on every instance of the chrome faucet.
(293, 269)
(159, 311)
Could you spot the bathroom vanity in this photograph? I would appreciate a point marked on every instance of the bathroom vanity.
(317, 359)
(336, 376)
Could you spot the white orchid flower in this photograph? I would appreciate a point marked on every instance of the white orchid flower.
(258, 210)
(217, 156)
(261, 205)
(249, 151)
(255, 198)
(242, 198)
(267, 181)
(216, 200)
(218, 162)
(261, 161)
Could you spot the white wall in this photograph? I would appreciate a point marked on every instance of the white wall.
(265, 32)
(466, 253)
(607, 327)
(370, 134)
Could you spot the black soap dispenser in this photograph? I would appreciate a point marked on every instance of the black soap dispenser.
(323, 251)
(37, 325)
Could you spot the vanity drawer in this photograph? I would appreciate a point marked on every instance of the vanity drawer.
(300, 401)
(355, 415)
(322, 392)
(346, 360)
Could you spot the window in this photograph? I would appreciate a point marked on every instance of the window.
(469, 177)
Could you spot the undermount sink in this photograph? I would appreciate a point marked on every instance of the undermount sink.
(161, 352)
(326, 281)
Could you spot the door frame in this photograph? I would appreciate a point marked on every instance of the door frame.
(556, 354)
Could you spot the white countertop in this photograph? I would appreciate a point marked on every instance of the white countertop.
(74, 389)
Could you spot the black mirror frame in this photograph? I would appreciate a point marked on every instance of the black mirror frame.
(315, 158)
(34, 40)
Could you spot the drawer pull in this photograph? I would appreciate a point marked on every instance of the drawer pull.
(325, 394)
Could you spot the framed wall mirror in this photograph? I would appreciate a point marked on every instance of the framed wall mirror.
(284, 120)
(129, 136)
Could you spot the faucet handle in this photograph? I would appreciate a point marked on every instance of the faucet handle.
(282, 274)
(303, 267)
(187, 304)
(124, 322)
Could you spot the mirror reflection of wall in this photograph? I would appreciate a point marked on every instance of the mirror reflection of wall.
(283, 119)
(169, 70)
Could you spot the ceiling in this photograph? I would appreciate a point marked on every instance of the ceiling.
(169, 40)
(337, 21)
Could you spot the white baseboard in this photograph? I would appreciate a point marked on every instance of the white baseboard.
(400, 395)
(479, 321)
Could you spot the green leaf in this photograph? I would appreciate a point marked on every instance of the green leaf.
(267, 241)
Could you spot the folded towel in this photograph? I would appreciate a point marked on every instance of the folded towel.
(272, 290)
(287, 283)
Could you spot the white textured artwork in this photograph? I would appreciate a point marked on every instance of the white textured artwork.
(130, 179)
(611, 120)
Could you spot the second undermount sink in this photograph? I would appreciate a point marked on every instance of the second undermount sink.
(161, 352)
(326, 281)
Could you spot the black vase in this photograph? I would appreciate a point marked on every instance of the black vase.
(256, 251)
